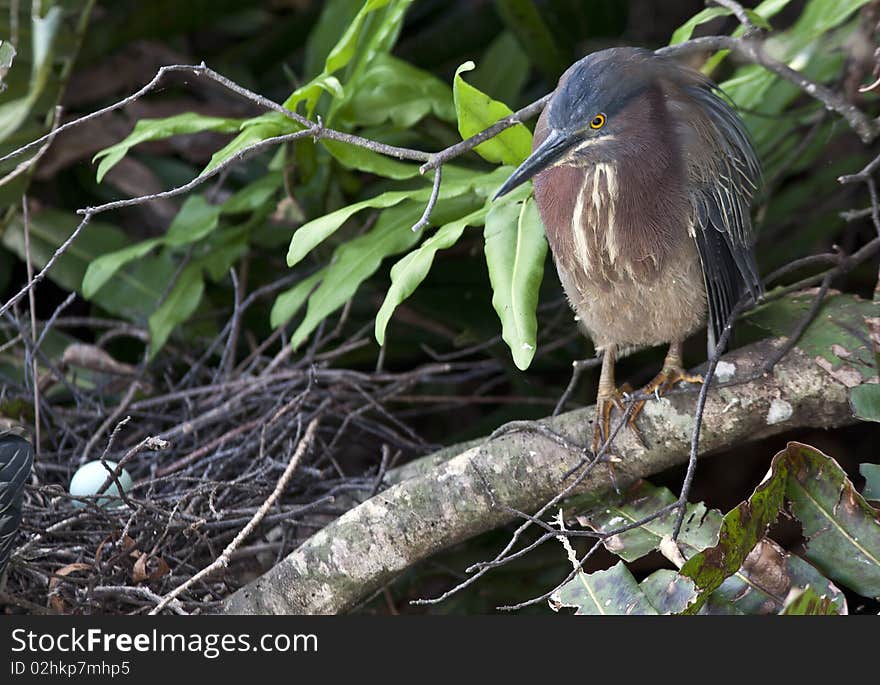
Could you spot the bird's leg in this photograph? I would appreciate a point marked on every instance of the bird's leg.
(673, 372)
(607, 398)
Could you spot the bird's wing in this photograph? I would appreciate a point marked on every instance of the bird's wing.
(725, 173)
(16, 458)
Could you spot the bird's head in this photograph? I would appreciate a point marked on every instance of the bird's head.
(597, 110)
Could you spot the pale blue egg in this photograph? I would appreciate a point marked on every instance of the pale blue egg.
(89, 478)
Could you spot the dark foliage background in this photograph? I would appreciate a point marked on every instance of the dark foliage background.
(103, 51)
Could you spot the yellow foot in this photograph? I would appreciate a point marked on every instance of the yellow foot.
(664, 382)
(604, 408)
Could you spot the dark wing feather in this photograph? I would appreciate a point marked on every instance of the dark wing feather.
(16, 458)
(727, 174)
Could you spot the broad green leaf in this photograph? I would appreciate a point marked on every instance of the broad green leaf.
(393, 90)
(158, 129)
(477, 111)
(104, 267)
(834, 336)
(612, 592)
(410, 271)
(288, 303)
(807, 602)
(700, 529)
(871, 474)
(355, 261)
(515, 253)
(668, 592)
(180, 304)
(865, 401)
(195, 220)
(842, 529)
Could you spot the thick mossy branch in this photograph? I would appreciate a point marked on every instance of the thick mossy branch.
(444, 499)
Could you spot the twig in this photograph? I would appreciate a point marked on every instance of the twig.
(425, 219)
(25, 217)
(740, 13)
(223, 560)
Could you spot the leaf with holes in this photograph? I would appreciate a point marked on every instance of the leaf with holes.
(741, 530)
(759, 586)
(842, 529)
(807, 602)
(610, 592)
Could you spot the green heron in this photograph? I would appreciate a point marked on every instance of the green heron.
(644, 176)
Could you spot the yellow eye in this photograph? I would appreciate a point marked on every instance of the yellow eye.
(597, 121)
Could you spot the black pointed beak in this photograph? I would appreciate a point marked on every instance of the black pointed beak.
(550, 151)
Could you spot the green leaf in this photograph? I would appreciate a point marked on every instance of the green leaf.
(477, 111)
(668, 592)
(741, 530)
(515, 253)
(355, 261)
(865, 401)
(610, 592)
(410, 271)
(393, 90)
(686, 30)
(196, 220)
(44, 32)
(7, 56)
(254, 195)
(504, 69)
(362, 159)
(807, 602)
(356, 48)
(290, 301)
(180, 304)
(104, 267)
(871, 474)
(834, 337)
(842, 529)
(455, 183)
(249, 136)
(158, 129)
(310, 235)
